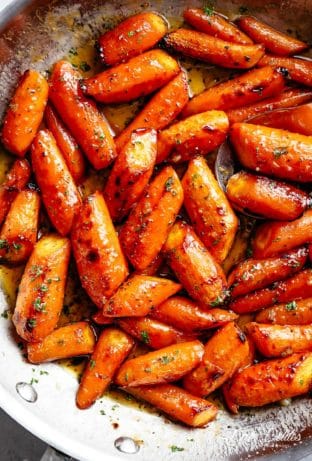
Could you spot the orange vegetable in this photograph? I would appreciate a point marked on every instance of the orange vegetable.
(25, 113)
(293, 313)
(102, 319)
(110, 351)
(59, 192)
(138, 77)
(101, 264)
(299, 70)
(81, 116)
(69, 341)
(41, 292)
(152, 269)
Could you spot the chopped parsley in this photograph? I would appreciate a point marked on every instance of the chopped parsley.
(291, 306)
(84, 66)
(165, 359)
(17, 246)
(169, 184)
(3, 244)
(39, 306)
(174, 448)
(279, 151)
(145, 337)
(208, 10)
(73, 51)
(92, 364)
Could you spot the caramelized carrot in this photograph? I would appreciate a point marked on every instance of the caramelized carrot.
(81, 116)
(102, 319)
(41, 292)
(110, 351)
(299, 70)
(292, 313)
(25, 113)
(101, 264)
(152, 268)
(69, 341)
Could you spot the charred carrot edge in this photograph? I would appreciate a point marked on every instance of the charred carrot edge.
(292, 313)
(299, 70)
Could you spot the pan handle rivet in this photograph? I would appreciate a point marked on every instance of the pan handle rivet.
(127, 445)
(27, 392)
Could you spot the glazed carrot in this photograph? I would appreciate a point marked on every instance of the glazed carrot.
(131, 173)
(297, 287)
(213, 50)
(81, 116)
(101, 264)
(211, 214)
(59, 192)
(67, 144)
(138, 295)
(186, 315)
(69, 341)
(161, 109)
(41, 292)
(254, 274)
(138, 77)
(25, 113)
(248, 88)
(110, 351)
(299, 70)
(265, 197)
(292, 313)
(216, 25)
(152, 268)
(198, 272)
(161, 366)
(196, 135)
(274, 41)
(177, 403)
(19, 232)
(273, 152)
(149, 223)
(131, 37)
(102, 319)
(275, 237)
(225, 352)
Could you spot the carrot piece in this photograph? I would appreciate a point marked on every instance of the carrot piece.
(197, 270)
(196, 135)
(215, 24)
(131, 173)
(293, 313)
(265, 197)
(25, 113)
(131, 37)
(274, 41)
(67, 144)
(161, 109)
(152, 268)
(186, 315)
(177, 403)
(110, 351)
(212, 216)
(138, 77)
(101, 264)
(102, 319)
(274, 152)
(249, 88)
(213, 50)
(81, 116)
(225, 352)
(19, 232)
(161, 366)
(254, 274)
(139, 295)
(149, 223)
(41, 292)
(297, 69)
(59, 192)
(69, 341)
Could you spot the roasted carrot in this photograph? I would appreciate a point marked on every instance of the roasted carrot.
(69, 341)
(131, 37)
(131, 172)
(102, 319)
(59, 193)
(161, 366)
(67, 144)
(273, 152)
(210, 49)
(110, 351)
(25, 113)
(152, 268)
(299, 70)
(161, 109)
(196, 135)
(195, 267)
(254, 274)
(265, 197)
(177, 403)
(41, 292)
(139, 295)
(101, 264)
(149, 223)
(211, 214)
(138, 77)
(19, 232)
(248, 88)
(81, 116)
(274, 41)
(292, 313)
